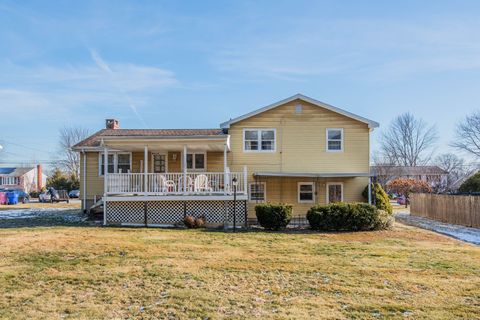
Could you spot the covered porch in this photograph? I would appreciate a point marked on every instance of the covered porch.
(180, 169)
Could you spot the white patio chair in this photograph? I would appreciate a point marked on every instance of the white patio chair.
(170, 186)
(202, 184)
(159, 183)
(189, 184)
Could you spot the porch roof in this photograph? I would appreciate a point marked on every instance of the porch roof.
(311, 175)
(163, 138)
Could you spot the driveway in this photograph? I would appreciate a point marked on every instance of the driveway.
(471, 235)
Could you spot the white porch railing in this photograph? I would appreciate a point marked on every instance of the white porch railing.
(198, 183)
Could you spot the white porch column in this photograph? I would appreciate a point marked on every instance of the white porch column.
(245, 180)
(105, 184)
(226, 178)
(369, 190)
(145, 170)
(184, 160)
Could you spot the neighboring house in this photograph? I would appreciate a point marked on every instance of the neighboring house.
(299, 151)
(27, 179)
(433, 175)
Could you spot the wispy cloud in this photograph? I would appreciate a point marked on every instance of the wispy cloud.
(99, 61)
(68, 88)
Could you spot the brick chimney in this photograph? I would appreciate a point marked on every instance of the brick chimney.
(111, 124)
(39, 177)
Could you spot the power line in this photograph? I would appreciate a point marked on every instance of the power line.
(23, 146)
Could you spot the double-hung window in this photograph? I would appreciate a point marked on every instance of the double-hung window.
(334, 140)
(256, 191)
(196, 161)
(306, 192)
(117, 163)
(260, 140)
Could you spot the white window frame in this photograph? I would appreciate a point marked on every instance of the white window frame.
(115, 162)
(194, 169)
(313, 192)
(259, 140)
(328, 186)
(264, 192)
(342, 141)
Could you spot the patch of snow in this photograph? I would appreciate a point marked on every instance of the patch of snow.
(471, 235)
(35, 213)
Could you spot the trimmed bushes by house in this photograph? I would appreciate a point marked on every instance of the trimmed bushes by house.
(273, 216)
(382, 201)
(348, 217)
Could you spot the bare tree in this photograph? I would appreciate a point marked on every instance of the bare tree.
(467, 135)
(70, 160)
(383, 170)
(455, 167)
(408, 141)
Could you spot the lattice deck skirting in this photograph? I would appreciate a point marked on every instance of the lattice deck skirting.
(216, 212)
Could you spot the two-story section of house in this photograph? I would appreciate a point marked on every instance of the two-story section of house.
(298, 151)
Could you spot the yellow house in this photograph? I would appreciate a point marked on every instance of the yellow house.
(299, 151)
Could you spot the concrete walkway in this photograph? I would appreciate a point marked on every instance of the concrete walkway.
(471, 235)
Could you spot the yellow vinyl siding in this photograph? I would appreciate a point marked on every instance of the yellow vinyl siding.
(174, 165)
(284, 189)
(301, 148)
(301, 142)
(94, 182)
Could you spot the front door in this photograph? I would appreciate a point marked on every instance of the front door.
(159, 163)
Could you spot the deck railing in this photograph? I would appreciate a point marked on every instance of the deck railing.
(194, 183)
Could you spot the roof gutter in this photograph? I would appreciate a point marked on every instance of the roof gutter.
(312, 175)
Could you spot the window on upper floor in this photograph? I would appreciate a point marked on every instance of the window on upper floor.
(334, 139)
(259, 140)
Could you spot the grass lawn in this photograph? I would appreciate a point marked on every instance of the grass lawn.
(92, 273)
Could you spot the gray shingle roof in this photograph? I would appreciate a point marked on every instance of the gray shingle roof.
(95, 139)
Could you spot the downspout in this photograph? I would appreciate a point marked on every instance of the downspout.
(84, 180)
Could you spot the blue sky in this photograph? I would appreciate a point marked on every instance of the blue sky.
(194, 64)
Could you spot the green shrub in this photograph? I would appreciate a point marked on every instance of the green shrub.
(273, 216)
(385, 221)
(472, 184)
(347, 217)
(382, 200)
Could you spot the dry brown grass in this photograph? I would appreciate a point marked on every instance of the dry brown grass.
(92, 273)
